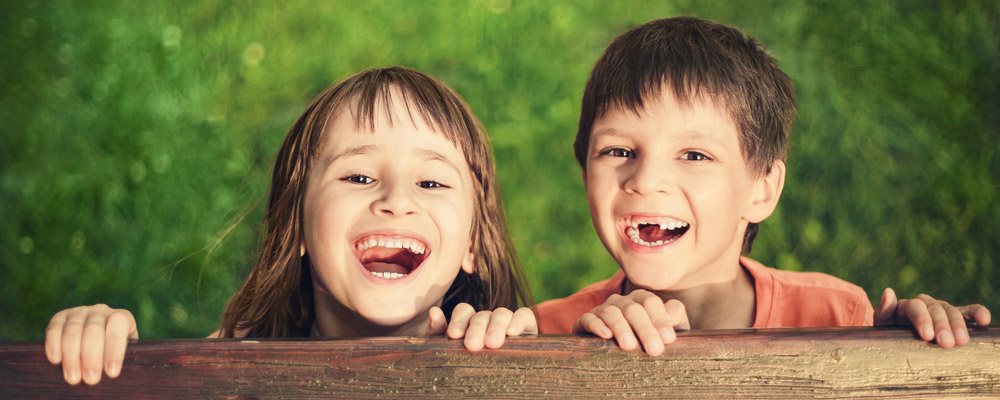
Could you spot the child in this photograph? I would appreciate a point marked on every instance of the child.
(683, 132)
(384, 215)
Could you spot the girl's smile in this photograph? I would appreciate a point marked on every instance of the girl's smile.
(387, 218)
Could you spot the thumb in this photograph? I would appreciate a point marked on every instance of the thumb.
(438, 324)
(885, 314)
(678, 315)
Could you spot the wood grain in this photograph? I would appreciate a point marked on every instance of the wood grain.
(768, 363)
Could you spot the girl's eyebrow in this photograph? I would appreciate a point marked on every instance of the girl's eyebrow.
(355, 151)
(433, 155)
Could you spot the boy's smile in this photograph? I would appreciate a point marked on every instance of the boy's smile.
(669, 191)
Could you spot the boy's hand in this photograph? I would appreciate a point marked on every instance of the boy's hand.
(484, 328)
(931, 318)
(641, 314)
(89, 339)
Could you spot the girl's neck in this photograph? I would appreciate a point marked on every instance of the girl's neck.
(333, 320)
(729, 304)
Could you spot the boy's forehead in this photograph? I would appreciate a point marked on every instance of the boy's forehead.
(666, 107)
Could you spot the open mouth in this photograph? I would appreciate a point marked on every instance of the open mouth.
(654, 231)
(390, 257)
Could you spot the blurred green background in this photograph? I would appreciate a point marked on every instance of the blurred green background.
(134, 133)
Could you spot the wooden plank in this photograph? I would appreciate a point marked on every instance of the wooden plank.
(771, 363)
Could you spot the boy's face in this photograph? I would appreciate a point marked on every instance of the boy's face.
(670, 194)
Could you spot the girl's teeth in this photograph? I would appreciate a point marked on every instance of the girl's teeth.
(411, 245)
(388, 275)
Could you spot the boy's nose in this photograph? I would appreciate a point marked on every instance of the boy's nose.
(395, 199)
(647, 177)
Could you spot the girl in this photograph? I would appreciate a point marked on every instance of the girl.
(384, 215)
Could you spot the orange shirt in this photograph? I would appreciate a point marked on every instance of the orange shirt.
(784, 299)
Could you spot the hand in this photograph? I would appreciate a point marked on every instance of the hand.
(931, 318)
(92, 338)
(484, 328)
(638, 313)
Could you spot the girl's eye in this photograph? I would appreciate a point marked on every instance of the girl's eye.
(694, 156)
(358, 179)
(431, 185)
(619, 152)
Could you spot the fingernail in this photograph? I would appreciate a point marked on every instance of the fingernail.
(665, 334)
(113, 369)
(72, 376)
(927, 332)
(962, 335)
(89, 376)
(945, 336)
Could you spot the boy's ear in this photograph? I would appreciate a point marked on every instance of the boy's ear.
(469, 263)
(767, 191)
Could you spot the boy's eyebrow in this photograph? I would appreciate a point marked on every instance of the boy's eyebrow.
(433, 155)
(687, 135)
(698, 135)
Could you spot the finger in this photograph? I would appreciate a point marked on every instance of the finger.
(977, 313)
(477, 330)
(592, 323)
(437, 322)
(958, 328)
(92, 347)
(121, 327)
(642, 324)
(678, 315)
(620, 328)
(71, 336)
(942, 328)
(496, 331)
(914, 312)
(658, 315)
(886, 311)
(460, 317)
(523, 323)
(53, 337)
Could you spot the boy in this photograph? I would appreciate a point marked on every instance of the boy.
(683, 132)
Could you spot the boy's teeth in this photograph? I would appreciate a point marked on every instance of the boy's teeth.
(388, 275)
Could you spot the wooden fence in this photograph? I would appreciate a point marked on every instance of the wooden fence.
(770, 363)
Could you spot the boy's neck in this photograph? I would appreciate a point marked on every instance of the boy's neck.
(730, 304)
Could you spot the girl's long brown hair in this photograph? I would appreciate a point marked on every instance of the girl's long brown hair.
(277, 300)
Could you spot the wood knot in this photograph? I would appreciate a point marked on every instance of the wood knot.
(838, 354)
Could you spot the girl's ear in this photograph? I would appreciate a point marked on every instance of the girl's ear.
(302, 249)
(767, 191)
(469, 262)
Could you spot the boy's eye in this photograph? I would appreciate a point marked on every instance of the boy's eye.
(431, 185)
(694, 156)
(619, 152)
(358, 179)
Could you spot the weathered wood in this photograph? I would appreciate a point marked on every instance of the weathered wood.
(785, 363)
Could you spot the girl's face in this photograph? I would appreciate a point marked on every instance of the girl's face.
(387, 218)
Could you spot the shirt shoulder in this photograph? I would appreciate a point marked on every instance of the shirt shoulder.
(558, 315)
(806, 299)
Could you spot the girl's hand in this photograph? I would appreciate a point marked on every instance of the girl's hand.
(931, 318)
(485, 328)
(89, 339)
(641, 314)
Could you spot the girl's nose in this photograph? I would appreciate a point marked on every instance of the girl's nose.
(396, 199)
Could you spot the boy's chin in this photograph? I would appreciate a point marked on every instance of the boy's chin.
(652, 279)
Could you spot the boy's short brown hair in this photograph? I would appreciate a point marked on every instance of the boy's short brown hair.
(696, 57)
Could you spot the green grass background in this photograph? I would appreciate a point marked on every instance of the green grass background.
(133, 133)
